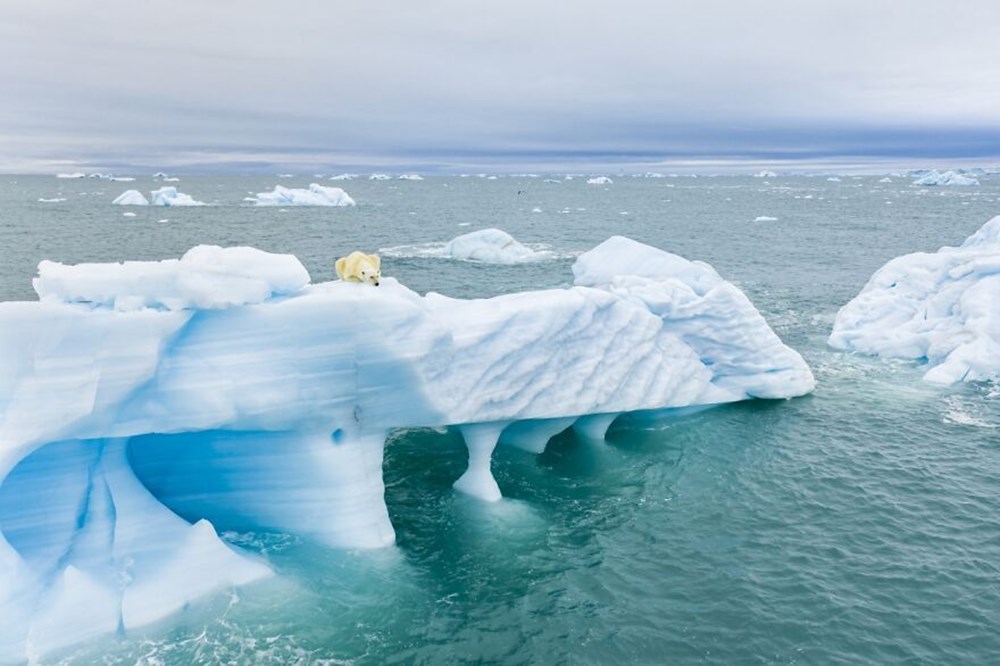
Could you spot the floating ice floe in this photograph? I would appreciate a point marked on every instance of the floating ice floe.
(599, 180)
(225, 388)
(766, 173)
(380, 176)
(886, 180)
(411, 176)
(52, 200)
(315, 195)
(128, 214)
(492, 246)
(934, 178)
(74, 175)
(344, 176)
(942, 308)
(169, 196)
(833, 179)
(765, 218)
(130, 198)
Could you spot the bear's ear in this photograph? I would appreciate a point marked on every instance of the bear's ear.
(375, 260)
(340, 266)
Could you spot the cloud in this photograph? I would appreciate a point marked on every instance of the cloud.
(120, 80)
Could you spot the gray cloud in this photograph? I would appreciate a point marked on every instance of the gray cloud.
(318, 82)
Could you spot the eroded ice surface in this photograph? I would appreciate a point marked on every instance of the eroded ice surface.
(315, 195)
(941, 307)
(134, 393)
(169, 196)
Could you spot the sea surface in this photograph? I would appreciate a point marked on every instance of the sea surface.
(860, 524)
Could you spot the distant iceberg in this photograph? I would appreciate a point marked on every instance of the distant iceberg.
(766, 173)
(73, 175)
(492, 246)
(169, 196)
(411, 176)
(130, 198)
(344, 176)
(315, 195)
(934, 178)
(599, 180)
(942, 308)
(234, 393)
(380, 176)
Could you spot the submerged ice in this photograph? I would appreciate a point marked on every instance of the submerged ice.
(145, 406)
(941, 307)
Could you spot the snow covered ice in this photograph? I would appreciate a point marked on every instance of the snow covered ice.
(315, 195)
(941, 307)
(225, 388)
(492, 246)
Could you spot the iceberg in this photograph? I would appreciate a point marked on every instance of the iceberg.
(130, 198)
(766, 173)
(765, 218)
(380, 176)
(941, 307)
(145, 407)
(316, 195)
(599, 180)
(935, 178)
(74, 175)
(411, 176)
(169, 196)
(492, 246)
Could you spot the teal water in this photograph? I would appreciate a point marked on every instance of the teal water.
(858, 524)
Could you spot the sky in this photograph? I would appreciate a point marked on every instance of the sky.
(442, 85)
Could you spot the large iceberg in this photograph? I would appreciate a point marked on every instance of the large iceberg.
(942, 308)
(316, 195)
(935, 178)
(146, 406)
(492, 246)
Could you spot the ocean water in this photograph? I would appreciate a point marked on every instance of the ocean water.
(858, 524)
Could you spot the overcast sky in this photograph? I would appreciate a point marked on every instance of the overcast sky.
(221, 84)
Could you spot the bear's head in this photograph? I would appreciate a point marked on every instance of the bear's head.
(371, 270)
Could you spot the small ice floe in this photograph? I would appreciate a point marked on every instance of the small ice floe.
(536, 209)
(130, 198)
(934, 178)
(833, 179)
(169, 196)
(765, 218)
(344, 176)
(75, 174)
(599, 180)
(128, 214)
(316, 195)
(380, 176)
(492, 246)
(766, 173)
(411, 176)
(53, 200)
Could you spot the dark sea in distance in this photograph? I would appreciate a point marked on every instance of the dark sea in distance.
(860, 524)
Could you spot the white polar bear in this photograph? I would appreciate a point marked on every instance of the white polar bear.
(360, 267)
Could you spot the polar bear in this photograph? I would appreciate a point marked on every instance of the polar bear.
(360, 267)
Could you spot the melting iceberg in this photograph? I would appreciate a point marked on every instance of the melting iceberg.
(941, 307)
(492, 246)
(935, 178)
(169, 196)
(599, 180)
(145, 406)
(316, 195)
(131, 198)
